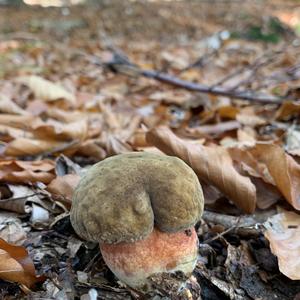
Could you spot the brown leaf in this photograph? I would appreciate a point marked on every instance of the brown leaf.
(288, 109)
(22, 122)
(114, 145)
(246, 135)
(12, 230)
(17, 171)
(66, 116)
(16, 265)
(64, 186)
(274, 166)
(250, 120)
(16, 197)
(229, 112)
(58, 131)
(214, 129)
(266, 194)
(10, 107)
(45, 89)
(177, 97)
(25, 146)
(212, 165)
(90, 148)
(283, 233)
(8, 133)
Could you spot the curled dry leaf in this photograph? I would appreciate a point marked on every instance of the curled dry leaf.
(266, 194)
(274, 166)
(215, 129)
(16, 265)
(8, 133)
(66, 116)
(228, 112)
(177, 97)
(58, 131)
(11, 229)
(10, 107)
(15, 197)
(90, 148)
(25, 146)
(212, 164)
(17, 171)
(22, 122)
(288, 109)
(283, 233)
(292, 141)
(250, 120)
(64, 186)
(45, 89)
(114, 145)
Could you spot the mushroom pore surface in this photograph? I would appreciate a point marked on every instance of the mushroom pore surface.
(123, 197)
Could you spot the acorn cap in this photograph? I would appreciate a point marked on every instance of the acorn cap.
(122, 198)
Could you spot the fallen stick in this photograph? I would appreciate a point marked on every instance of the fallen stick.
(197, 87)
(122, 66)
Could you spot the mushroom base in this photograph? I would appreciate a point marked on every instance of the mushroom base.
(137, 263)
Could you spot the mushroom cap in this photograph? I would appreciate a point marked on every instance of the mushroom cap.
(121, 198)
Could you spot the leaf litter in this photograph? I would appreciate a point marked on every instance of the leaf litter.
(225, 101)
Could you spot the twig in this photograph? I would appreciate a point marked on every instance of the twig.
(228, 221)
(219, 235)
(132, 70)
(197, 87)
(244, 226)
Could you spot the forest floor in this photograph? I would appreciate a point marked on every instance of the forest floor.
(216, 83)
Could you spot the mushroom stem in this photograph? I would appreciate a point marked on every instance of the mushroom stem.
(135, 263)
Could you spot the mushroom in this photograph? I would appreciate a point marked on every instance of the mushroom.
(142, 209)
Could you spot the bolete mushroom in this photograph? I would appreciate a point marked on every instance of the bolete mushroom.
(142, 209)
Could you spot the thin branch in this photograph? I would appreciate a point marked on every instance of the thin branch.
(132, 70)
(197, 87)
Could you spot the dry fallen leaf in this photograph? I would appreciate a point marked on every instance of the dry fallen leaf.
(10, 107)
(292, 141)
(288, 109)
(64, 186)
(215, 129)
(8, 133)
(283, 233)
(177, 97)
(66, 116)
(250, 120)
(11, 229)
(229, 112)
(16, 265)
(55, 130)
(212, 165)
(25, 146)
(15, 197)
(17, 171)
(22, 122)
(90, 148)
(274, 166)
(45, 89)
